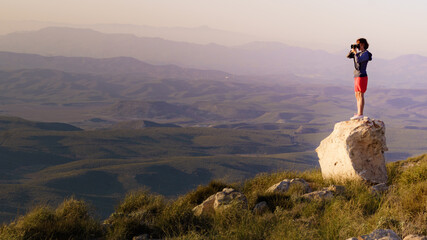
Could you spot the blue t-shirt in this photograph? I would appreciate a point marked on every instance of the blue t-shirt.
(361, 60)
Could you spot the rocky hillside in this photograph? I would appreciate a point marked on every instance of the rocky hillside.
(282, 205)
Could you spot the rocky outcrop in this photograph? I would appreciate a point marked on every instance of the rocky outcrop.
(206, 207)
(227, 197)
(379, 234)
(221, 201)
(318, 195)
(325, 193)
(284, 185)
(354, 150)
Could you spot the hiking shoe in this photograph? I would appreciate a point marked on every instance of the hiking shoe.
(356, 117)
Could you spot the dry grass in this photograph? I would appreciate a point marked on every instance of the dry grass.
(357, 211)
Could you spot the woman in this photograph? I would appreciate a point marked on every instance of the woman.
(361, 60)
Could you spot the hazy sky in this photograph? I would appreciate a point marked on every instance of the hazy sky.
(392, 27)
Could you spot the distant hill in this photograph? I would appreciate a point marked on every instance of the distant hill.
(255, 58)
(9, 123)
(410, 69)
(160, 110)
(59, 87)
(200, 35)
(259, 126)
(139, 124)
(275, 58)
(116, 65)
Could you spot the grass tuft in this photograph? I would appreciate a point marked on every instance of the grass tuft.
(71, 220)
(136, 215)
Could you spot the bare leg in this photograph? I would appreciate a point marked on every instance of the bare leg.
(360, 98)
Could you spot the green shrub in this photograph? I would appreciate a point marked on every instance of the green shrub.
(341, 219)
(136, 215)
(359, 194)
(394, 170)
(407, 171)
(178, 219)
(415, 174)
(74, 219)
(71, 220)
(141, 201)
(297, 223)
(238, 223)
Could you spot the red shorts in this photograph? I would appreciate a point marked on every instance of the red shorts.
(360, 84)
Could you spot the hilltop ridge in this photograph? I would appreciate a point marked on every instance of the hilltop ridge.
(356, 210)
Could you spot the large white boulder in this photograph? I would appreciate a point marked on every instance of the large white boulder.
(355, 150)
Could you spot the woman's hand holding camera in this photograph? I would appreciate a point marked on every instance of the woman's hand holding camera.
(354, 47)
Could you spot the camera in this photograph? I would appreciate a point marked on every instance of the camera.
(354, 46)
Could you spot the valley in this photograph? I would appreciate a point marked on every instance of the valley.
(47, 161)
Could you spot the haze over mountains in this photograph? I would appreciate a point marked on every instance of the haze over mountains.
(200, 35)
(89, 43)
(256, 58)
(116, 65)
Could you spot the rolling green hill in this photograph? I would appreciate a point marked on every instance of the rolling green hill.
(44, 162)
(91, 101)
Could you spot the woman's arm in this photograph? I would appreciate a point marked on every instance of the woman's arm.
(364, 57)
(350, 54)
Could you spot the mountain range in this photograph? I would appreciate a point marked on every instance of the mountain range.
(114, 66)
(256, 58)
(200, 35)
(244, 59)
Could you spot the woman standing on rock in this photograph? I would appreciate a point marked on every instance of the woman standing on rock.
(361, 60)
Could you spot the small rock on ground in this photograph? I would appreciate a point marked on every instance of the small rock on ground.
(325, 193)
(284, 185)
(379, 234)
(415, 237)
(141, 237)
(318, 195)
(260, 208)
(379, 188)
(220, 201)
